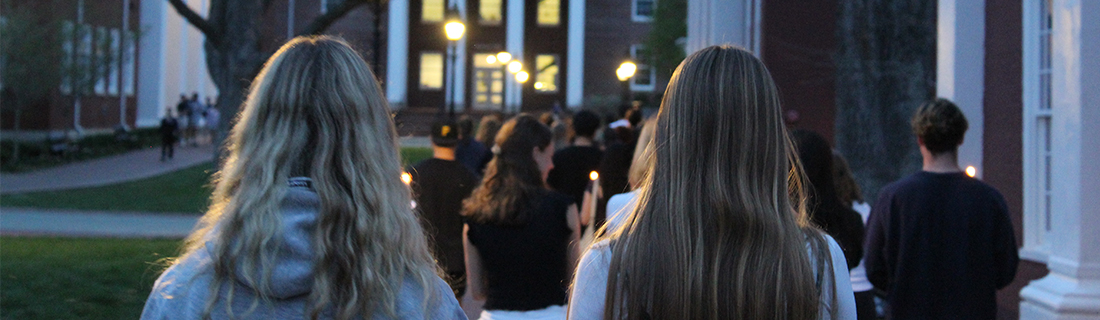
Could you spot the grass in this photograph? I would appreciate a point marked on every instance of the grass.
(184, 191)
(52, 278)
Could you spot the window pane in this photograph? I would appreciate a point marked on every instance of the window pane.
(431, 70)
(490, 11)
(549, 12)
(644, 76)
(643, 8)
(433, 10)
(546, 77)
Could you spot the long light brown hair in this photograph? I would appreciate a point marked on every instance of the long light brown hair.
(315, 110)
(512, 179)
(720, 230)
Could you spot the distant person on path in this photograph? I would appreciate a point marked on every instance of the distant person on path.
(309, 218)
(196, 121)
(183, 116)
(521, 238)
(169, 128)
(573, 164)
(439, 185)
(717, 233)
(848, 190)
(470, 152)
(940, 243)
(213, 119)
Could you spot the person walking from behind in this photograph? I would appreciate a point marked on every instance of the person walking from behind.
(309, 218)
(439, 185)
(939, 242)
(470, 152)
(520, 237)
(850, 195)
(183, 115)
(196, 120)
(716, 233)
(573, 164)
(213, 119)
(826, 210)
(169, 128)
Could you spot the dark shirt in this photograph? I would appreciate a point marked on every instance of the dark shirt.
(439, 186)
(168, 128)
(525, 266)
(614, 176)
(472, 154)
(572, 166)
(940, 245)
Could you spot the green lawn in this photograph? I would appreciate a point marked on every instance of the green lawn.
(186, 191)
(52, 278)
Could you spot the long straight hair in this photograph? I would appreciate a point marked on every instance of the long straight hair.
(315, 110)
(717, 232)
(512, 178)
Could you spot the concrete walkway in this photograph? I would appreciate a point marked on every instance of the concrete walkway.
(125, 167)
(71, 223)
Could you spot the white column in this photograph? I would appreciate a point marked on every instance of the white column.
(397, 53)
(460, 78)
(150, 73)
(1072, 289)
(960, 71)
(513, 43)
(574, 62)
(715, 22)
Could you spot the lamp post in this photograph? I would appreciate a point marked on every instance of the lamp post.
(454, 30)
(625, 72)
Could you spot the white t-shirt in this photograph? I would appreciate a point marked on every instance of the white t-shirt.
(619, 207)
(590, 285)
(859, 273)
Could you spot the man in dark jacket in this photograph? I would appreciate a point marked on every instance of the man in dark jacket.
(168, 129)
(439, 185)
(939, 242)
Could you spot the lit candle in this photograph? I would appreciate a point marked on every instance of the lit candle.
(406, 178)
(971, 171)
(595, 177)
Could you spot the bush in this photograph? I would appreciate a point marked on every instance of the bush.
(38, 155)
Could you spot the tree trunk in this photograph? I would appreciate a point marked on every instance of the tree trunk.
(885, 70)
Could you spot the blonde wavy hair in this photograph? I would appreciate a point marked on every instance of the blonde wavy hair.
(720, 230)
(315, 110)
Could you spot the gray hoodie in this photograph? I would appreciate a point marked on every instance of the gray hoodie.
(181, 292)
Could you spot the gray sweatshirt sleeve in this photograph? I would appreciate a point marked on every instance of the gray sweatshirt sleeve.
(590, 285)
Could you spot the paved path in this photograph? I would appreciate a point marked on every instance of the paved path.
(125, 167)
(70, 223)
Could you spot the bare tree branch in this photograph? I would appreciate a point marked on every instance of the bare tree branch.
(212, 34)
(322, 22)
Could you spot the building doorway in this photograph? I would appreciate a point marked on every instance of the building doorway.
(488, 83)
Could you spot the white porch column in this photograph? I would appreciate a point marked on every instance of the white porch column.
(714, 22)
(574, 63)
(150, 63)
(1072, 289)
(960, 69)
(513, 43)
(397, 53)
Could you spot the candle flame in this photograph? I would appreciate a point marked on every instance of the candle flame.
(593, 175)
(971, 171)
(406, 178)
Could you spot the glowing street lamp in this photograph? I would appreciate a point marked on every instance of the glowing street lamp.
(626, 70)
(491, 59)
(504, 57)
(515, 66)
(454, 30)
(522, 76)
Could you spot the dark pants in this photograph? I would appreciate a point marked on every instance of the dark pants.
(865, 305)
(167, 149)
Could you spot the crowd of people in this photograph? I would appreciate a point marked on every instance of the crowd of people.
(191, 122)
(709, 209)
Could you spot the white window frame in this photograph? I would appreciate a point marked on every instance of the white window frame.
(1036, 186)
(652, 72)
(634, 12)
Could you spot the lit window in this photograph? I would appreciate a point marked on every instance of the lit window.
(546, 73)
(433, 11)
(431, 70)
(549, 12)
(642, 10)
(490, 11)
(646, 76)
